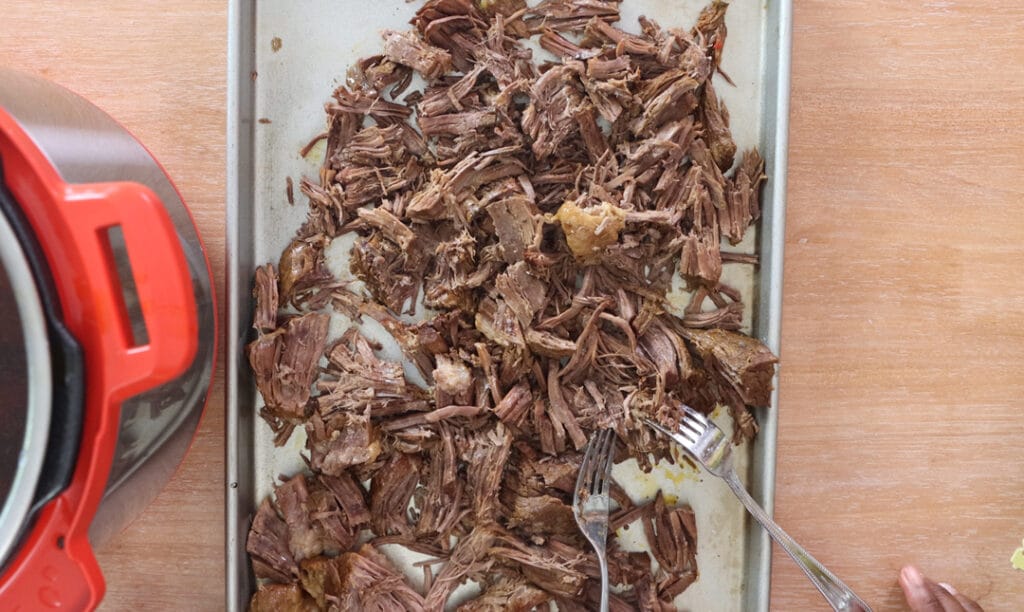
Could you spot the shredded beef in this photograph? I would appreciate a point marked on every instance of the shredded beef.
(518, 228)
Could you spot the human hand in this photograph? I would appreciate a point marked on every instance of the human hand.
(924, 595)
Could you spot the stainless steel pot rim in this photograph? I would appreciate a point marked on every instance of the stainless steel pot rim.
(37, 425)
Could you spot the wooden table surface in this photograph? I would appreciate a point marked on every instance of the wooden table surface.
(903, 325)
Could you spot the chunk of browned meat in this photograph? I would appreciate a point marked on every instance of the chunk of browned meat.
(487, 458)
(454, 25)
(302, 267)
(454, 124)
(285, 364)
(378, 73)
(340, 441)
(496, 321)
(265, 292)
(440, 499)
(446, 194)
(548, 344)
(314, 523)
(389, 225)
(550, 119)
(304, 540)
(542, 515)
(571, 15)
(561, 415)
(549, 569)
(357, 379)
(515, 405)
(649, 599)
(711, 28)
(701, 260)
(374, 162)
(743, 195)
(365, 102)
(672, 536)
(452, 274)
(523, 289)
(666, 98)
(558, 472)
(716, 128)
(391, 274)
(351, 497)
(390, 492)
(281, 598)
(744, 364)
(469, 556)
(366, 580)
(512, 594)
(267, 545)
(515, 225)
(410, 50)
(329, 519)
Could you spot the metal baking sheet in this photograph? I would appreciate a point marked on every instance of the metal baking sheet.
(285, 58)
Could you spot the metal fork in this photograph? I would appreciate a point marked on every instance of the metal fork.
(709, 446)
(590, 499)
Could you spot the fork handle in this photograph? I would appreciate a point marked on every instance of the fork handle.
(603, 561)
(839, 596)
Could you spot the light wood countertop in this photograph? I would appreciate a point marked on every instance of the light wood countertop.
(903, 321)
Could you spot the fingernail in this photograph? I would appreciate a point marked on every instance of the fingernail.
(914, 585)
(949, 588)
(912, 576)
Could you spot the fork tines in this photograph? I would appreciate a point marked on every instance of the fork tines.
(693, 424)
(595, 470)
(691, 427)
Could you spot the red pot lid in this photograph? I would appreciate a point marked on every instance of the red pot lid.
(85, 191)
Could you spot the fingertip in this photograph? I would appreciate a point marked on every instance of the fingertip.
(920, 597)
(949, 588)
(911, 575)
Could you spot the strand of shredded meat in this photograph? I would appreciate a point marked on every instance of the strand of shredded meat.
(541, 211)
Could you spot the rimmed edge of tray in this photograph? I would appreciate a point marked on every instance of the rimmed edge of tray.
(241, 59)
(771, 248)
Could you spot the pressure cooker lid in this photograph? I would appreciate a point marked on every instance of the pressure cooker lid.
(25, 389)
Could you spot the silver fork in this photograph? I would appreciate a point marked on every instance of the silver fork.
(708, 444)
(590, 499)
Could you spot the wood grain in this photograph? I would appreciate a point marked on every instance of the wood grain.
(159, 69)
(902, 338)
(903, 326)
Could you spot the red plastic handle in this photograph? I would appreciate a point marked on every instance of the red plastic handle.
(162, 280)
(56, 568)
(54, 572)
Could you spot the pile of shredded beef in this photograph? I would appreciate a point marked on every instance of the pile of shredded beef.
(539, 210)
